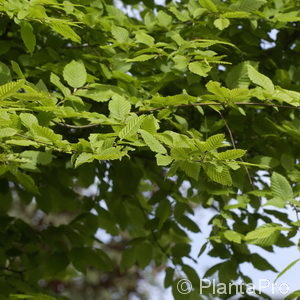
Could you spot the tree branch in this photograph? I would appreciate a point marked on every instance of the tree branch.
(182, 105)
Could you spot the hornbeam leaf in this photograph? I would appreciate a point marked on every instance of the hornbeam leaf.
(66, 31)
(83, 158)
(221, 23)
(152, 142)
(209, 5)
(8, 89)
(119, 107)
(281, 188)
(231, 154)
(260, 79)
(28, 36)
(199, 68)
(163, 160)
(214, 142)
(142, 57)
(132, 127)
(286, 269)
(233, 236)
(265, 235)
(222, 177)
(75, 74)
(120, 34)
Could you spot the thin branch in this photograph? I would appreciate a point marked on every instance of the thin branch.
(78, 126)
(221, 104)
(234, 146)
(91, 125)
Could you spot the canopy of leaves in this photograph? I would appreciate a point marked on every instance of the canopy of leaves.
(160, 110)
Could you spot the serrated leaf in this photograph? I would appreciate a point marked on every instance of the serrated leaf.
(83, 158)
(144, 38)
(214, 142)
(75, 74)
(233, 236)
(142, 57)
(8, 89)
(260, 79)
(110, 153)
(281, 188)
(236, 14)
(231, 154)
(66, 31)
(28, 36)
(191, 169)
(28, 119)
(163, 160)
(131, 127)
(222, 177)
(265, 235)
(221, 23)
(209, 5)
(152, 142)
(119, 108)
(250, 5)
(199, 68)
(237, 77)
(5, 132)
(120, 34)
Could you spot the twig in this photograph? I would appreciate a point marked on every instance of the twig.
(181, 105)
(77, 126)
(220, 104)
(234, 146)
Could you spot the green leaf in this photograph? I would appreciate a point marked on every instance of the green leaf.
(152, 142)
(8, 89)
(281, 188)
(83, 158)
(265, 235)
(209, 4)
(169, 277)
(26, 181)
(128, 258)
(131, 128)
(260, 79)
(5, 75)
(28, 36)
(163, 160)
(199, 68)
(144, 38)
(294, 295)
(75, 74)
(163, 211)
(119, 108)
(28, 119)
(260, 263)
(144, 256)
(222, 177)
(66, 31)
(233, 236)
(289, 266)
(231, 154)
(142, 57)
(221, 23)
(214, 142)
(120, 34)
(5, 132)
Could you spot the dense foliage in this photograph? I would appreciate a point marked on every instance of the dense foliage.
(127, 120)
